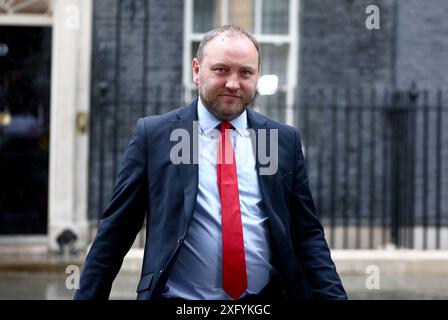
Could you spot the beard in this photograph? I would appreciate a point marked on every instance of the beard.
(218, 109)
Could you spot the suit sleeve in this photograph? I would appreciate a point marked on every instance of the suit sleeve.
(310, 245)
(120, 222)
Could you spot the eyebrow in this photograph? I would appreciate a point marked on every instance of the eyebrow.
(220, 65)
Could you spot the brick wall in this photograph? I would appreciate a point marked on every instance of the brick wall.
(137, 58)
(337, 48)
(422, 44)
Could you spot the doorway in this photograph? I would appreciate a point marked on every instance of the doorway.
(25, 68)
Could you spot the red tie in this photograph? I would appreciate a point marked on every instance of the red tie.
(234, 277)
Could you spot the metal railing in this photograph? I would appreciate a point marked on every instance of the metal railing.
(375, 161)
(374, 158)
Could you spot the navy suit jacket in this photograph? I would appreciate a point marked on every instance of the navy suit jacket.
(150, 185)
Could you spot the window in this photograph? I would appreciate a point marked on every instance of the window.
(275, 26)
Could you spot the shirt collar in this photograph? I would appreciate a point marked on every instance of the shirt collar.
(208, 122)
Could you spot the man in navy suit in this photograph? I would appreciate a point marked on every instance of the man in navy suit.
(271, 245)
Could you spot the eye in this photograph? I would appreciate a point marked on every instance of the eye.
(219, 70)
(246, 73)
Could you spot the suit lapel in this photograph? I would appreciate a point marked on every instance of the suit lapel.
(268, 182)
(188, 172)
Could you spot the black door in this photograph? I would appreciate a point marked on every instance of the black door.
(25, 61)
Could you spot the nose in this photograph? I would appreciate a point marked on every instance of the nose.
(232, 82)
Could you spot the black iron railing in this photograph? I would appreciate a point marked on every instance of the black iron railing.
(375, 160)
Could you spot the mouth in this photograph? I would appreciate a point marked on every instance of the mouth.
(230, 96)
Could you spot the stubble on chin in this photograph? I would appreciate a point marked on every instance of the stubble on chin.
(214, 107)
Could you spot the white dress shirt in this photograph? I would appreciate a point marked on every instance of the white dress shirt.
(197, 272)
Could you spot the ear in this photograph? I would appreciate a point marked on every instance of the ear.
(195, 67)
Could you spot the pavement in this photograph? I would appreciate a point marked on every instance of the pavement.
(366, 275)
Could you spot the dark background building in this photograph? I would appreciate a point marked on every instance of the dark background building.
(374, 138)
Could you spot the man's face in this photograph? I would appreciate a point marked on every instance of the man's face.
(227, 75)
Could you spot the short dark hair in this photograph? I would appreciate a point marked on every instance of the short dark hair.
(233, 30)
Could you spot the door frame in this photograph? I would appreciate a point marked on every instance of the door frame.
(70, 98)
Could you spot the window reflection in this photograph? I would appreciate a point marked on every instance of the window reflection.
(275, 17)
(207, 15)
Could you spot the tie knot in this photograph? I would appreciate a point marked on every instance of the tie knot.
(225, 125)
